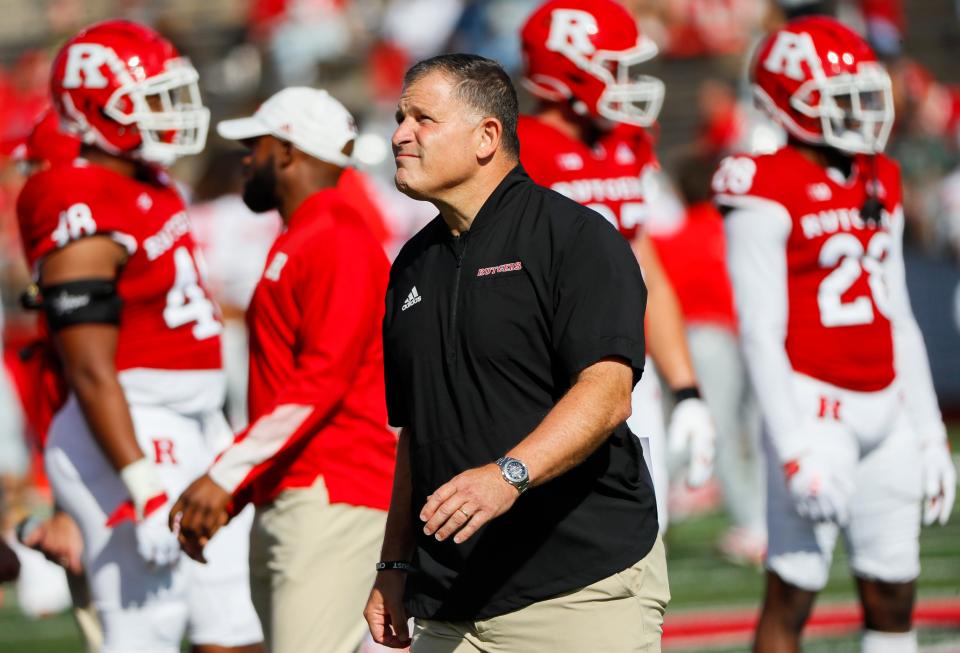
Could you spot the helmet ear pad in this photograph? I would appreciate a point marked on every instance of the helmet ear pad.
(125, 138)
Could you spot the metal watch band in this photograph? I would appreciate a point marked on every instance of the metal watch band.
(520, 485)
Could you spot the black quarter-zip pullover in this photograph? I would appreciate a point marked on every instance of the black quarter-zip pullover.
(483, 334)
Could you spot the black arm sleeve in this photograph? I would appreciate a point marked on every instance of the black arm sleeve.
(84, 301)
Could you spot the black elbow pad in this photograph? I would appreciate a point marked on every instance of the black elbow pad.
(85, 301)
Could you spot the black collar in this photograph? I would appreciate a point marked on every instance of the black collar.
(491, 210)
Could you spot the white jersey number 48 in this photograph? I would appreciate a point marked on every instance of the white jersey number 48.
(847, 253)
(186, 301)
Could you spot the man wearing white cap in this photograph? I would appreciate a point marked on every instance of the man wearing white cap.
(317, 459)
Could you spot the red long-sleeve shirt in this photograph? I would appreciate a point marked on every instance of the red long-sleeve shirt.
(316, 395)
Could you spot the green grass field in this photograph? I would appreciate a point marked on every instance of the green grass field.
(700, 579)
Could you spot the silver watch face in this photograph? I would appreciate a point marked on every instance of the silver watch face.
(515, 471)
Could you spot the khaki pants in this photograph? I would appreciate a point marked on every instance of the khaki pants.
(312, 565)
(619, 614)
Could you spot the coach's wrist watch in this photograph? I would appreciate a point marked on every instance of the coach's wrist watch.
(515, 473)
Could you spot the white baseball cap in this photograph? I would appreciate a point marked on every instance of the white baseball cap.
(311, 119)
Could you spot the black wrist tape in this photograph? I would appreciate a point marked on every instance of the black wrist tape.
(85, 301)
(690, 392)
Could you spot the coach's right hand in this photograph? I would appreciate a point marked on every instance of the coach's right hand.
(385, 614)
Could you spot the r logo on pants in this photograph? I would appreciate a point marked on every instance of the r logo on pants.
(163, 451)
(829, 408)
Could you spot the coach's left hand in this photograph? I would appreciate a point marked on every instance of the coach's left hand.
(199, 513)
(466, 502)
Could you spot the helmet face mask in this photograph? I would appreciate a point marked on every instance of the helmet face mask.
(843, 99)
(856, 111)
(590, 53)
(630, 96)
(123, 88)
(167, 111)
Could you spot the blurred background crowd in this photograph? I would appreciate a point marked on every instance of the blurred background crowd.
(359, 49)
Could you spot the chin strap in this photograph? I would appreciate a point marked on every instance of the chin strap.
(872, 207)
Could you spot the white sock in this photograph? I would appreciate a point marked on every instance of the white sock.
(875, 641)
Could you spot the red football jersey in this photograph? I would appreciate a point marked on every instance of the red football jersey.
(838, 328)
(167, 320)
(608, 178)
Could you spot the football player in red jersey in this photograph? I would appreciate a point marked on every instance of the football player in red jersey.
(856, 440)
(588, 141)
(138, 338)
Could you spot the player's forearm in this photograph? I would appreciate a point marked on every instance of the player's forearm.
(913, 368)
(398, 538)
(756, 257)
(664, 326)
(88, 348)
(910, 352)
(666, 337)
(105, 408)
(771, 377)
(585, 416)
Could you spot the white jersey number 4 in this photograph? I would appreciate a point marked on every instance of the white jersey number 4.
(851, 260)
(186, 301)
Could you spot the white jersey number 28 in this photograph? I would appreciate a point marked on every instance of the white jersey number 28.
(186, 300)
(847, 253)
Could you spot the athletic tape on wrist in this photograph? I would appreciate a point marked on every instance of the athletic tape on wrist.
(142, 483)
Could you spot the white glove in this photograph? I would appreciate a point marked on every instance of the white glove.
(156, 544)
(691, 436)
(939, 482)
(820, 491)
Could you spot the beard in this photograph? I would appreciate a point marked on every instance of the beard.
(260, 191)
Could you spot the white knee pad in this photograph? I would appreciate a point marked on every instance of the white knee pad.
(876, 642)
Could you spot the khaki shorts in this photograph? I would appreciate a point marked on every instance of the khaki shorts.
(312, 565)
(622, 613)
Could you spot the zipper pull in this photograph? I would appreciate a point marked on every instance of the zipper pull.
(461, 247)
